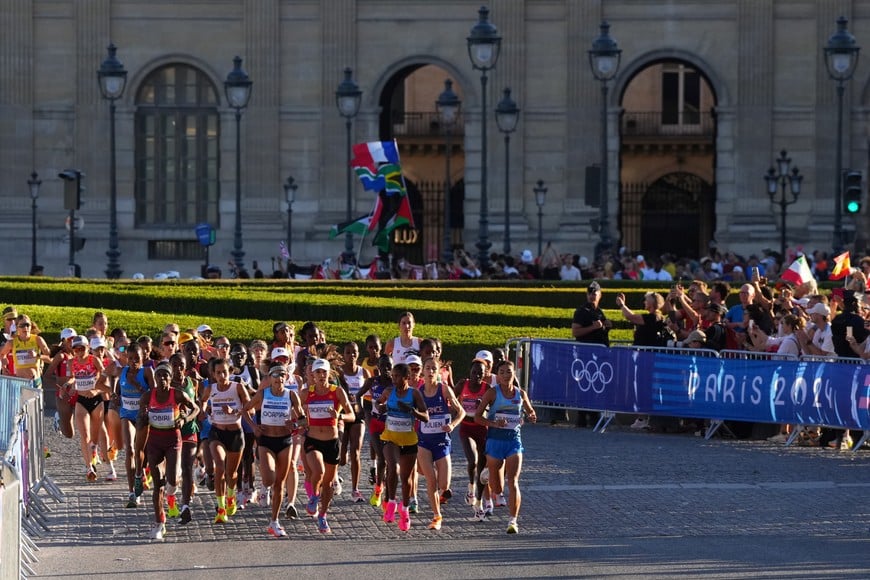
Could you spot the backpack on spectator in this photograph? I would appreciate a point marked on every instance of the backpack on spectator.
(653, 332)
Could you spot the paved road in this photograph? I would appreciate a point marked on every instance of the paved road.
(613, 505)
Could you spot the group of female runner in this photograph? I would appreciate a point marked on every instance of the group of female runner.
(196, 398)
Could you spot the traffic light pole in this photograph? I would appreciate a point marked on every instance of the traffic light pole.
(72, 242)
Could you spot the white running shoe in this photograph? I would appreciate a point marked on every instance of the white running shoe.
(158, 531)
(640, 424)
(263, 497)
(336, 486)
(276, 530)
(113, 475)
(500, 500)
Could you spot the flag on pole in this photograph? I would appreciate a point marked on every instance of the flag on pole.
(842, 266)
(402, 217)
(799, 272)
(359, 226)
(282, 247)
(376, 163)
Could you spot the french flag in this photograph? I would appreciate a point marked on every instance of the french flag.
(370, 155)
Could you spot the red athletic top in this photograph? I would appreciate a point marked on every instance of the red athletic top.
(318, 407)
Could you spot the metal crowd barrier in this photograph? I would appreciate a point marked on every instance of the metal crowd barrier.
(22, 476)
(520, 346)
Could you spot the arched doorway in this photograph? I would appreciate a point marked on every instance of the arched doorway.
(676, 209)
(668, 156)
(408, 115)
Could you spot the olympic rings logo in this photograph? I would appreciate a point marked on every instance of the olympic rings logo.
(592, 375)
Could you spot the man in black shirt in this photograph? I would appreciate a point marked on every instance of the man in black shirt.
(590, 324)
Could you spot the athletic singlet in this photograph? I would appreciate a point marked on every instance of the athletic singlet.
(509, 409)
(401, 353)
(397, 420)
(189, 388)
(276, 408)
(318, 407)
(378, 388)
(439, 415)
(85, 374)
(470, 400)
(354, 382)
(131, 394)
(247, 381)
(162, 416)
(24, 352)
(219, 400)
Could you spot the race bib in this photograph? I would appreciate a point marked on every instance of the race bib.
(25, 357)
(513, 421)
(435, 424)
(162, 419)
(274, 415)
(470, 406)
(85, 383)
(130, 403)
(400, 424)
(320, 410)
(219, 417)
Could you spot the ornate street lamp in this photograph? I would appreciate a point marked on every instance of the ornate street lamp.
(237, 88)
(290, 188)
(507, 115)
(112, 78)
(484, 45)
(791, 189)
(448, 106)
(604, 60)
(540, 199)
(841, 58)
(33, 184)
(348, 98)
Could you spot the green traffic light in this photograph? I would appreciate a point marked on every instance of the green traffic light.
(853, 207)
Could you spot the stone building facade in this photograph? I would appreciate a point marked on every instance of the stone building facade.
(706, 96)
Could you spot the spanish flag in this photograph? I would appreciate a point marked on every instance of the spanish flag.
(842, 267)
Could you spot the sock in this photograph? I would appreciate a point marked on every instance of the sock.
(221, 501)
(512, 521)
(231, 493)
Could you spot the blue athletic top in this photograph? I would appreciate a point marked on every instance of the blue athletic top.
(439, 415)
(130, 394)
(510, 410)
(377, 390)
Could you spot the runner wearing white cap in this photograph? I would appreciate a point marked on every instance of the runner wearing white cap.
(64, 393)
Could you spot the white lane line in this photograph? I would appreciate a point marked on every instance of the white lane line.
(715, 486)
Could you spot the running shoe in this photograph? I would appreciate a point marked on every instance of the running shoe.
(412, 505)
(512, 528)
(112, 453)
(221, 517)
(445, 496)
(390, 512)
(232, 506)
(263, 497)
(640, 424)
(336, 487)
(311, 506)
(488, 507)
(469, 498)
(322, 524)
(500, 500)
(372, 475)
(138, 487)
(131, 501)
(404, 518)
(375, 499)
(435, 524)
(149, 481)
(158, 531)
(199, 475)
(479, 515)
(90, 474)
(95, 457)
(112, 475)
(484, 476)
(276, 530)
(173, 511)
(291, 512)
(185, 515)
(356, 496)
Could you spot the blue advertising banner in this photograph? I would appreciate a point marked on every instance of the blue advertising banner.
(625, 380)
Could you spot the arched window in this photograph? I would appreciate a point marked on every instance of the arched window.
(177, 133)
